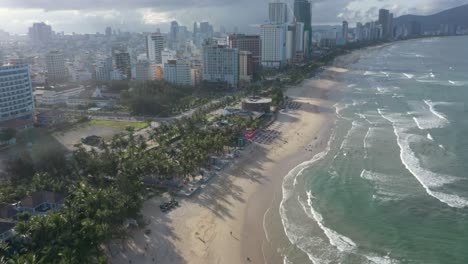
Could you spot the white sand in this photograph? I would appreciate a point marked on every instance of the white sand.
(236, 201)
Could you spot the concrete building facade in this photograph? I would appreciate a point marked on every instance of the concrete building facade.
(220, 63)
(16, 98)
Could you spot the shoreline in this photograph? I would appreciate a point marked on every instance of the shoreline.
(225, 222)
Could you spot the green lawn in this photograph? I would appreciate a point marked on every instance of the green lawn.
(123, 124)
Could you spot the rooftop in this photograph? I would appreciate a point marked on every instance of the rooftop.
(7, 211)
(39, 198)
(6, 226)
(257, 100)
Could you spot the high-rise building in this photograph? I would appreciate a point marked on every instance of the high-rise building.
(220, 63)
(295, 43)
(173, 35)
(303, 14)
(40, 33)
(16, 99)
(108, 32)
(278, 12)
(245, 66)
(55, 64)
(121, 62)
(385, 20)
(178, 72)
(103, 70)
(154, 47)
(195, 29)
(144, 71)
(345, 31)
(250, 43)
(274, 44)
(359, 32)
(206, 28)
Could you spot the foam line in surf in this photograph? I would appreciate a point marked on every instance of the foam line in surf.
(341, 242)
(428, 179)
(433, 111)
(287, 191)
(425, 116)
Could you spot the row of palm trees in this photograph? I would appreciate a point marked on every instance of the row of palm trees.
(106, 187)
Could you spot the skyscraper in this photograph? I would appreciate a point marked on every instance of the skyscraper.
(278, 12)
(16, 99)
(303, 14)
(40, 33)
(121, 62)
(206, 28)
(386, 21)
(55, 64)
(273, 44)
(178, 72)
(195, 28)
(345, 31)
(250, 43)
(220, 63)
(173, 35)
(108, 32)
(154, 47)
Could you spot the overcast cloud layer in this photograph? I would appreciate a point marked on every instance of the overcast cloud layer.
(89, 16)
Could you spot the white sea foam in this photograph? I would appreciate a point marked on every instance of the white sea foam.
(456, 83)
(292, 231)
(286, 260)
(341, 242)
(385, 73)
(366, 145)
(431, 108)
(429, 136)
(339, 108)
(387, 187)
(425, 116)
(355, 125)
(381, 260)
(428, 179)
(409, 76)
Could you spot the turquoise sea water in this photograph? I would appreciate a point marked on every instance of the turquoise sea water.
(392, 187)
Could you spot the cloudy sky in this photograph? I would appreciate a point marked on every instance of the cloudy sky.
(89, 16)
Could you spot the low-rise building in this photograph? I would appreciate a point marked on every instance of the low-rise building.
(6, 230)
(50, 118)
(40, 202)
(257, 104)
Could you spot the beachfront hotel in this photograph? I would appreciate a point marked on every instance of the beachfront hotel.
(16, 99)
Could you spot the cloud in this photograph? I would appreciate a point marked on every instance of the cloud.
(145, 15)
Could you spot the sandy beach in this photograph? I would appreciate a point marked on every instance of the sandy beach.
(225, 222)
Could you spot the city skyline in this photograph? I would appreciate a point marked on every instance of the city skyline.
(141, 15)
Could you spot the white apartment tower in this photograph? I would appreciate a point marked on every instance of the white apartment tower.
(55, 64)
(274, 38)
(178, 72)
(154, 47)
(16, 98)
(220, 63)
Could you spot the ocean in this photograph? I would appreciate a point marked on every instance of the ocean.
(392, 185)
